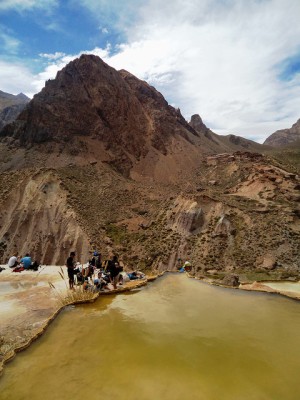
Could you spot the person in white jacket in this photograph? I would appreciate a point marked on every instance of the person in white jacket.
(13, 262)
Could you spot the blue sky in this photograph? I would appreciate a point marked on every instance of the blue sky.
(236, 63)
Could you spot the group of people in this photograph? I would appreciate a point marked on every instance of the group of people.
(98, 274)
(18, 264)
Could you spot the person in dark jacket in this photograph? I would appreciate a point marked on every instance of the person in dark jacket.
(96, 260)
(70, 264)
(113, 267)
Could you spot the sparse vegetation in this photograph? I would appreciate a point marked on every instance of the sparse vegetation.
(78, 295)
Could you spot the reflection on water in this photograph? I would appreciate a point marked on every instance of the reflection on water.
(10, 287)
(176, 339)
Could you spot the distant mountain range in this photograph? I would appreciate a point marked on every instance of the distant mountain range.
(11, 106)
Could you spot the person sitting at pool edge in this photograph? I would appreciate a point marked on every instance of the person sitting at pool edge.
(26, 261)
(13, 262)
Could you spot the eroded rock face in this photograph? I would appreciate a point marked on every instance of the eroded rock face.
(284, 137)
(186, 216)
(35, 218)
(166, 120)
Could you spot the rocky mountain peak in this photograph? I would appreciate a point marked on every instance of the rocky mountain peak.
(89, 100)
(21, 96)
(91, 111)
(197, 123)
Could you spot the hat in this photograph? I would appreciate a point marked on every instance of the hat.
(96, 253)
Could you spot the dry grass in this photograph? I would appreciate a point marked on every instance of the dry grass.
(77, 295)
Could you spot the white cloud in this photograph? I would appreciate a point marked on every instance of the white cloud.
(15, 78)
(54, 56)
(21, 5)
(220, 62)
(9, 43)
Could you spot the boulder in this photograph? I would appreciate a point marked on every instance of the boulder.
(231, 280)
(267, 261)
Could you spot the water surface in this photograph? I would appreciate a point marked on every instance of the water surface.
(177, 338)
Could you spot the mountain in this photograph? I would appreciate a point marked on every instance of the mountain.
(11, 106)
(7, 99)
(93, 112)
(219, 143)
(100, 114)
(284, 137)
(99, 160)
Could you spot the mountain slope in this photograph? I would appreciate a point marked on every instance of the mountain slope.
(89, 105)
(91, 112)
(284, 137)
(220, 143)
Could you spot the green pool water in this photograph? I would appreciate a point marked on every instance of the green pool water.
(177, 338)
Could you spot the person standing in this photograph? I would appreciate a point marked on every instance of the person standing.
(113, 268)
(70, 264)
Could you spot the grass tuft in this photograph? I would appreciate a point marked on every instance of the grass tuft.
(77, 295)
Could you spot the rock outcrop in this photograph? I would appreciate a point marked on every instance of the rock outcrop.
(197, 124)
(35, 218)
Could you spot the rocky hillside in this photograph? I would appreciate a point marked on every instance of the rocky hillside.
(218, 144)
(284, 137)
(99, 160)
(11, 106)
(100, 113)
(93, 112)
(239, 213)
